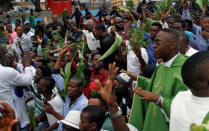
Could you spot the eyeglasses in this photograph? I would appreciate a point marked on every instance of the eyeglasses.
(158, 43)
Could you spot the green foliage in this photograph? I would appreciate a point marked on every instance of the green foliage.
(130, 3)
(137, 35)
(203, 127)
(163, 7)
(64, 13)
(201, 3)
(32, 119)
(147, 26)
(94, 92)
(67, 77)
(123, 8)
(81, 65)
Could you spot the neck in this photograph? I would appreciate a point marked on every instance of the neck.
(170, 56)
(201, 93)
(73, 99)
(47, 95)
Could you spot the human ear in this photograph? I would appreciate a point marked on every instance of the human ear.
(94, 126)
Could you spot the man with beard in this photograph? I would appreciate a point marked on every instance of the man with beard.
(106, 41)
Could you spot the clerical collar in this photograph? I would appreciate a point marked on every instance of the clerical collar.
(168, 63)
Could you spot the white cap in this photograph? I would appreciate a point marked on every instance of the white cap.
(123, 78)
(72, 119)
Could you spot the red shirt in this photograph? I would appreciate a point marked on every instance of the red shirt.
(101, 75)
(90, 87)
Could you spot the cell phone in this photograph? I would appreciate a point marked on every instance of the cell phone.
(45, 101)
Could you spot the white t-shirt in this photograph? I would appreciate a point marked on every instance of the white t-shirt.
(92, 42)
(133, 64)
(57, 104)
(187, 109)
(191, 51)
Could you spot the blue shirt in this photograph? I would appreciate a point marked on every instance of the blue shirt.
(152, 59)
(80, 103)
(25, 43)
(200, 42)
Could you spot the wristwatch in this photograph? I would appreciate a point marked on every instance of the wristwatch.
(116, 114)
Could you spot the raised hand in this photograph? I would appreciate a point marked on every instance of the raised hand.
(107, 92)
(7, 120)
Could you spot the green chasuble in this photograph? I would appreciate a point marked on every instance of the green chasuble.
(165, 81)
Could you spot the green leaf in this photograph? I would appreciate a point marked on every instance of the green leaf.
(113, 48)
(123, 8)
(64, 13)
(130, 3)
(67, 75)
(200, 3)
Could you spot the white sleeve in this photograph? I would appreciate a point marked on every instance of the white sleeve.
(24, 79)
(128, 45)
(144, 55)
(30, 45)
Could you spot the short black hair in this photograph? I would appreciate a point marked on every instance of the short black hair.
(204, 17)
(95, 114)
(18, 20)
(194, 67)
(184, 36)
(182, 22)
(40, 27)
(79, 79)
(45, 70)
(27, 27)
(43, 61)
(189, 22)
(172, 32)
(175, 17)
(157, 24)
(98, 96)
(101, 27)
(50, 83)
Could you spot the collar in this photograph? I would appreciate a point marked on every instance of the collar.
(168, 63)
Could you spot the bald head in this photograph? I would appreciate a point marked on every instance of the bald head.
(19, 31)
(55, 18)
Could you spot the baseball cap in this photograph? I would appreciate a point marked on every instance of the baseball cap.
(72, 119)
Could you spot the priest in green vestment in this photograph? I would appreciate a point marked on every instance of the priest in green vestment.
(151, 105)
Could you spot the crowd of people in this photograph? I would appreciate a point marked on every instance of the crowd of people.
(54, 76)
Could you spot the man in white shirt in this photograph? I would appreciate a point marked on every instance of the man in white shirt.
(183, 45)
(133, 62)
(92, 42)
(22, 42)
(45, 87)
(192, 106)
(10, 77)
